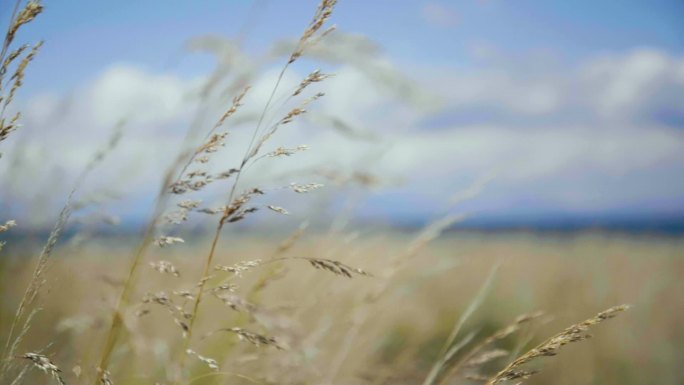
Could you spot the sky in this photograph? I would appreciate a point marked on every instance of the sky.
(529, 109)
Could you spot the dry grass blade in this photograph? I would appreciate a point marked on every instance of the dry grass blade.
(551, 346)
(450, 349)
(476, 357)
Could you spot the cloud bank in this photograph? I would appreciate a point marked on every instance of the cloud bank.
(605, 134)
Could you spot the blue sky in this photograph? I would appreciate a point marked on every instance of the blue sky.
(85, 37)
(575, 108)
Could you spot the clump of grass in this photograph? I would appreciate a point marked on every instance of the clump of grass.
(180, 180)
(236, 207)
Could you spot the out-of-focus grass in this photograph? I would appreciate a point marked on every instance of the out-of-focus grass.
(571, 277)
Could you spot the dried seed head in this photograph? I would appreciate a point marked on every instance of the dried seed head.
(235, 211)
(160, 298)
(31, 10)
(551, 346)
(43, 363)
(254, 338)
(176, 217)
(105, 377)
(278, 209)
(229, 287)
(18, 76)
(177, 312)
(213, 143)
(213, 365)
(313, 77)
(166, 241)
(235, 302)
(292, 114)
(322, 14)
(304, 188)
(236, 103)
(189, 204)
(165, 267)
(8, 225)
(187, 294)
(10, 58)
(336, 267)
(204, 280)
(212, 211)
(227, 174)
(239, 267)
(281, 151)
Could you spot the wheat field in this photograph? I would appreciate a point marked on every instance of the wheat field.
(330, 334)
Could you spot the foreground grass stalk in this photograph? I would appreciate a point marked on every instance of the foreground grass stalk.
(124, 298)
(198, 299)
(217, 234)
(320, 17)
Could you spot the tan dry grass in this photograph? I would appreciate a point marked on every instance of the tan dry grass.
(310, 312)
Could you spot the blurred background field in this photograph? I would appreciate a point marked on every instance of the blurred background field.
(569, 276)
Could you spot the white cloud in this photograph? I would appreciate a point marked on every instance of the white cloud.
(640, 85)
(638, 82)
(127, 91)
(587, 124)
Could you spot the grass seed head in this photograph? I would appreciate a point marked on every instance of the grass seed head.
(43, 363)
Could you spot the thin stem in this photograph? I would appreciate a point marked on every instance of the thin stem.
(124, 298)
(7, 42)
(217, 235)
(198, 299)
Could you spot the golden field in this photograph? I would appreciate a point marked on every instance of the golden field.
(331, 332)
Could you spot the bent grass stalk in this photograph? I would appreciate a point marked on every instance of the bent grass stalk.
(181, 164)
(551, 346)
(322, 14)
